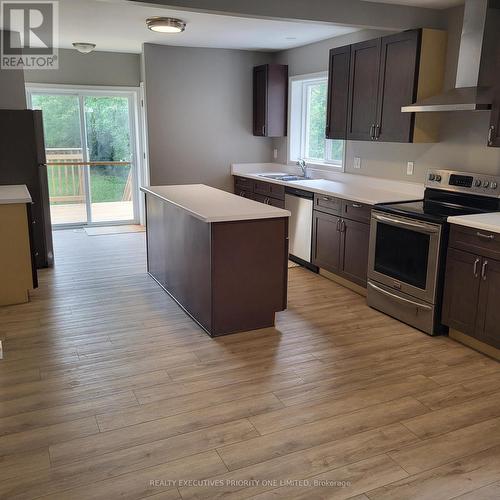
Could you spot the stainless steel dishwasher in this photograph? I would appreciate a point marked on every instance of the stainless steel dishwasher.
(300, 205)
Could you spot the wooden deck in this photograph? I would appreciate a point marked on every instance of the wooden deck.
(108, 390)
(73, 213)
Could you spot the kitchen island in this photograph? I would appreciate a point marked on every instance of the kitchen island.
(221, 257)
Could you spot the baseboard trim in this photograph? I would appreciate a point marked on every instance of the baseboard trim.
(475, 344)
(343, 282)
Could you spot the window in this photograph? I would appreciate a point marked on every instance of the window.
(308, 95)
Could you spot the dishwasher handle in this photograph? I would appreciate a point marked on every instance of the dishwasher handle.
(298, 192)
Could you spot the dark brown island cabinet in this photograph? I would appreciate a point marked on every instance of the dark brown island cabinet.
(270, 100)
(471, 304)
(370, 81)
(341, 229)
(223, 259)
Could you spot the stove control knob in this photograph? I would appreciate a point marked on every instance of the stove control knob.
(438, 178)
(478, 183)
(486, 184)
(494, 185)
(432, 177)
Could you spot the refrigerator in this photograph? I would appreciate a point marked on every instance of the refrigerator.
(22, 161)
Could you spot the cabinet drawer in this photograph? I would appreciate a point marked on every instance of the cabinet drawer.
(269, 201)
(328, 204)
(356, 211)
(242, 183)
(269, 189)
(477, 241)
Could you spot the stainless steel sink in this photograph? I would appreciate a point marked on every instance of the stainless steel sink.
(283, 177)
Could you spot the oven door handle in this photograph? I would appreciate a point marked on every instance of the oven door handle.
(400, 299)
(404, 223)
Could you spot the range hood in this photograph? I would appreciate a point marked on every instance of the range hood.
(478, 63)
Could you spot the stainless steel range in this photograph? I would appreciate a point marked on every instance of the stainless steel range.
(408, 243)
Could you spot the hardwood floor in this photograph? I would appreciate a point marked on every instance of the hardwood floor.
(108, 390)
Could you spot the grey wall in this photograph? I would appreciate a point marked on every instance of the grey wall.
(199, 113)
(12, 95)
(463, 135)
(96, 68)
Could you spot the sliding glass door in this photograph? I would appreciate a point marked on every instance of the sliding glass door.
(90, 143)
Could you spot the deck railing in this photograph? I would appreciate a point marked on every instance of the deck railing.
(65, 168)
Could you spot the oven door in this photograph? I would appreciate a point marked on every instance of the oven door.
(404, 255)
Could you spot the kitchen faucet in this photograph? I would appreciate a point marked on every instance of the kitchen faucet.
(302, 164)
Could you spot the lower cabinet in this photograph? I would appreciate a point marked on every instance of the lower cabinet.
(472, 287)
(341, 246)
(326, 241)
(461, 291)
(354, 251)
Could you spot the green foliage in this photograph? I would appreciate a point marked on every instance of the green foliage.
(318, 147)
(106, 119)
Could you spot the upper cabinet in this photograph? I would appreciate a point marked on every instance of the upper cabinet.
(384, 75)
(270, 96)
(494, 130)
(363, 90)
(338, 89)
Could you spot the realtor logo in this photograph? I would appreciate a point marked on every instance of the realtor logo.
(30, 36)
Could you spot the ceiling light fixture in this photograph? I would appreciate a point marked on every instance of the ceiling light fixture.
(84, 47)
(165, 24)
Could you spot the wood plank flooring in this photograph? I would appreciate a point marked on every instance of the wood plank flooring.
(108, 390)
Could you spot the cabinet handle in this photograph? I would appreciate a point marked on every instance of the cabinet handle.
(356, 205)
(483, 270)
(485, 236)
(342, 226)
(372, 131)
(325, 198)
(263, 130)
(490, 134)
(377, 131)
(338, 225)
(476, 263)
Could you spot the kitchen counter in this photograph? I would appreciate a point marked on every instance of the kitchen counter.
(14, 194)
(484, 222)
(221, 257)
(357, 188)
(213, 205)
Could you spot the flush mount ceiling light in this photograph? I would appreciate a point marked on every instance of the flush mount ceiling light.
(165, 24)
(84, 47)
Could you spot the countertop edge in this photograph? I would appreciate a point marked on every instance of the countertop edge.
(399, 197)
(25, 198)
(269, 215)
(456, 221)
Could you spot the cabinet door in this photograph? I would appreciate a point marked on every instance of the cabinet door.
(326, 241)
(461, 291)
(338, 93)
(397, 86)
(488, 314)
(494, 130)
(354, 250)
(363, 90)
(259, 100)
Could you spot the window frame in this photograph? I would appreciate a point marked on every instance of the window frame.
(298, 88)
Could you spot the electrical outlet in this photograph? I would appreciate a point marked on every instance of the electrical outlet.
(357, 162)
(409, 168)
(275, 154)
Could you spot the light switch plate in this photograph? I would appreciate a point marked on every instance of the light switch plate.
(357, 162)
(409, 168)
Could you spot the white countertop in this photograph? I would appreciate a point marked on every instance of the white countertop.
(14, 194)
(358, 188)
(485, 222)
(213, 205)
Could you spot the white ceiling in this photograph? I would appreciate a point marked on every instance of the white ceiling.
(120, 26)
(430, 4)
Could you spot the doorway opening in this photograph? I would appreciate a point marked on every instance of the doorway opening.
(92, 143)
